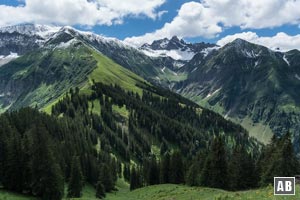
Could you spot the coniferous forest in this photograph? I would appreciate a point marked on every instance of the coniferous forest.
(147, 138)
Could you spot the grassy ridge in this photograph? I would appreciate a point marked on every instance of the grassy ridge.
(171, 192)
(108, 72)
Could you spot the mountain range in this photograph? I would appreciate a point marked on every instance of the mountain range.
(246, 83)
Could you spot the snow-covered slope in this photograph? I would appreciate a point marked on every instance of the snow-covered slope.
(8, 58)
(176, 54)
(24, 38)
(43, 31)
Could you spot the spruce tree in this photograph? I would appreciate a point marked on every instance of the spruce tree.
(76, 179)
(134, 179)
(192, 175)
(100, 190)
(47, 180)
(13, 165)
(165, 169)
(106, 177)
(290, 164)
(279, 159)
(176, 168)
(153, 172)
(214, 172)
(126, 172)
(194, 171)
(241, 170)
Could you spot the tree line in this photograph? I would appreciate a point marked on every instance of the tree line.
(218, 167)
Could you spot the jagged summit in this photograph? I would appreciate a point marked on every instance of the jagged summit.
(175, 48)
(240, 44)
(167, 44)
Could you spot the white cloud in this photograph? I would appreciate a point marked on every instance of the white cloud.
(207, 18)
(80, 12)
(192, 20)
(281, 40)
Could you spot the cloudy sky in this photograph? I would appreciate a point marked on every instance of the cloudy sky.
(273, 23)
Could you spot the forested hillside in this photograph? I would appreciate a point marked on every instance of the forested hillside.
(149, 138)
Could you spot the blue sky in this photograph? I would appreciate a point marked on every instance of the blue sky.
(273, 23)
(141, 25)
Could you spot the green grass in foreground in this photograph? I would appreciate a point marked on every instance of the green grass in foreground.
(170, 192)
(179, 192)
(88, 193)
(4, 195)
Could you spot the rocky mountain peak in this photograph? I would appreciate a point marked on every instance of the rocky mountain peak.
(31, 30)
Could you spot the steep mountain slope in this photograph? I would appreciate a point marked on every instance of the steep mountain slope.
(250, 84)
(40, 77)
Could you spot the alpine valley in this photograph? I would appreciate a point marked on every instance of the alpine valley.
(83, 109)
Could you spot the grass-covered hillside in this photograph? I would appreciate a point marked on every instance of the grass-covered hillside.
(179, 192)
(40, 77)
(173, 192)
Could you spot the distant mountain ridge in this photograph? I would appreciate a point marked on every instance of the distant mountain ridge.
(251, 84)
(175, 48)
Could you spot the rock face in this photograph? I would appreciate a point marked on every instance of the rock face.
(22, 39)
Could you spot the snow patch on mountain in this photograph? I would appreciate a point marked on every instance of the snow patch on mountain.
(106, 40)
(297, 77)
(6, 59)
(208, 50)
(286, 60)
(64, 45)
(194, 70)
(43, 31)
(250, 54)
(178, 64)
(212, 93)
(227, 114)
(175, 54)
